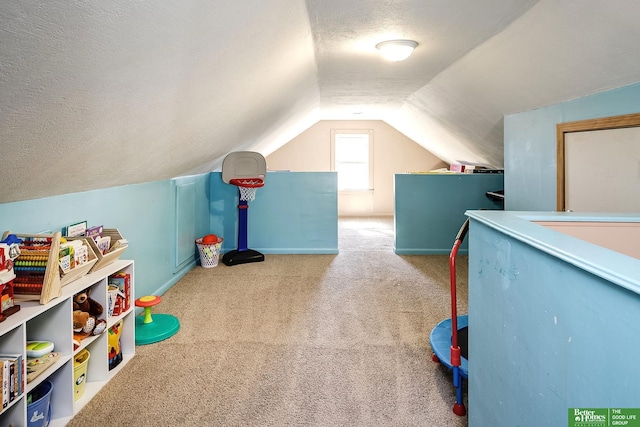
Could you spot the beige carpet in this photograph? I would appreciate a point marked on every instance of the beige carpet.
(297, 340)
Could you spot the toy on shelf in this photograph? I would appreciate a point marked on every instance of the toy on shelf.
(40, 356)
(39, 348)
(9, 251)
(37, 365)
(119, 293)
(86, 313)
(115, 346)
(36, 267)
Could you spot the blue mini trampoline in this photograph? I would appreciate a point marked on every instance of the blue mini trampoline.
(441, 344)
(449, 339)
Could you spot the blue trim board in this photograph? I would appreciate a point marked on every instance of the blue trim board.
(423, 251)
(176, 277)
(298, 251)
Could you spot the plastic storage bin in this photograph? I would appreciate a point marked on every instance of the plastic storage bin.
(39, 410)
(80, 363)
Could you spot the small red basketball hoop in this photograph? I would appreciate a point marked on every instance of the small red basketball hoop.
(247, 187)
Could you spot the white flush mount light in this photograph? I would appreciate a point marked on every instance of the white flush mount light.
(396, 50)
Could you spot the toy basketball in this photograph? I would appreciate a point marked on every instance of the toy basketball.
(210, 239)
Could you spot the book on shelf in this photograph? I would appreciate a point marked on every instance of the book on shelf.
(470, 167)
(103, 243)
(119, 244)
(81, 255)
(122, 282)
(4, 373)
(13, 377)
(487, 170)
(37, 365)
(75, 230)
(94, 232)
(65, 263)
(12, 381)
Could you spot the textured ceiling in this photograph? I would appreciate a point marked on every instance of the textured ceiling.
(99, 94)
(351, 75)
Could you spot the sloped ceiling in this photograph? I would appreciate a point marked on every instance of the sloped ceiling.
(99, 94)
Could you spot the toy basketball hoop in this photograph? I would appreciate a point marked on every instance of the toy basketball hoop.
(247, 187)
(247, 170)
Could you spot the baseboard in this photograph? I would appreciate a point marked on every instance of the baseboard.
(179, 275)
(298, 251)
(425, 251)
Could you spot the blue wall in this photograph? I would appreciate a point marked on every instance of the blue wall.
(144, 214)
(530, 144)
(429, 208)
(294, 213)
(553, 323)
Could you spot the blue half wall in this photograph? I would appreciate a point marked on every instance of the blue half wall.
(554, 321)
(294, 213)
(429, 208)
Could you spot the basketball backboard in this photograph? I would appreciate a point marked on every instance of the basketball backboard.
(243, 164)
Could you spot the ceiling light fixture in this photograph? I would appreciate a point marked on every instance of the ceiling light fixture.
(396, 50)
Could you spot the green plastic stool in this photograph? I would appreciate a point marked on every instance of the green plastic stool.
(151, 329)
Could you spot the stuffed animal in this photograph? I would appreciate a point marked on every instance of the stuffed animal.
(85, 316)
(82, 301)
(80, 319)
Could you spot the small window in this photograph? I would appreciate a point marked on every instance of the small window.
(352, 159)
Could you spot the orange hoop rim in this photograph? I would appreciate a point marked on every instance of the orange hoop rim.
(247, 182)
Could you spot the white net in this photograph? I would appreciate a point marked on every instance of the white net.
(248, 187)
(247, 194)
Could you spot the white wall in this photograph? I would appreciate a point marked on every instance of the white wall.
(393, 153)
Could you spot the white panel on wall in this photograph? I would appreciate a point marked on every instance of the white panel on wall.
(185, 193)
(602, 170)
